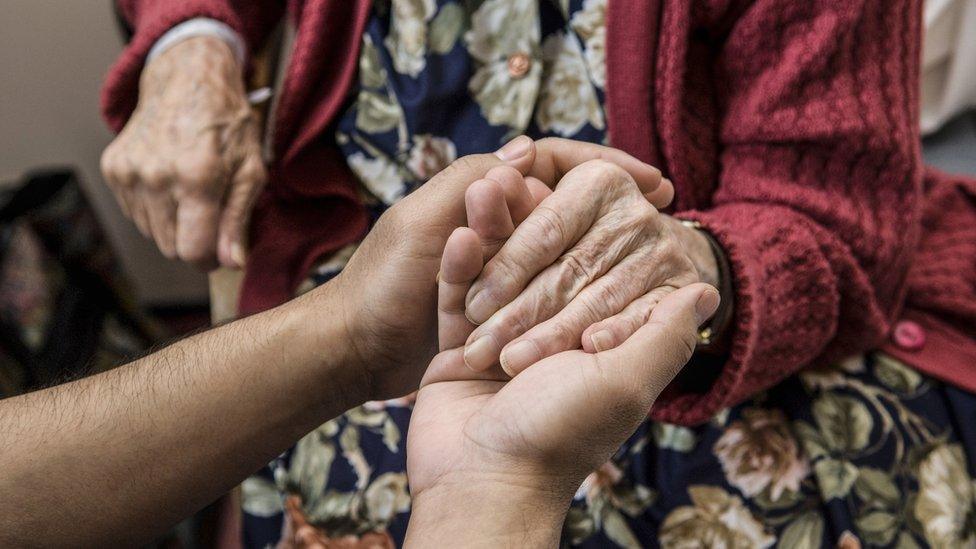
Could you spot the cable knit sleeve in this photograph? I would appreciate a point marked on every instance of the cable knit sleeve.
(150, 19)
(818, 187)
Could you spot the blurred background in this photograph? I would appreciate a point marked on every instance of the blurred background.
(54, 55)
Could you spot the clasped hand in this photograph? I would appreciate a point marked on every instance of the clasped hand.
(593, 255)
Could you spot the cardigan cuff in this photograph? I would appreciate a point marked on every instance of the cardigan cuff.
(200, 26)
(785, 304)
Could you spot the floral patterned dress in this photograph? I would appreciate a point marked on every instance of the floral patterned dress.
(867, 452)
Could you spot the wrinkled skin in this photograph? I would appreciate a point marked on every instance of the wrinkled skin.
(187, 167)
(585, 269)
(532, 439)
(394, 316)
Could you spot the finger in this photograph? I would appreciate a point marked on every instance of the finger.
(161, 211)
(537, 189)
(519, 153)
(197, 217)
(449, 366)
(438, 205)
(551, 294)
(140, 216)
(460, 264)
(610, 332)
(651, 358)
(585, 194)
(555, 157)
(116, 178)
(488, 214)
(125, 199)
(605, 297)
(245, 187)
(661, 197)
(517, 196)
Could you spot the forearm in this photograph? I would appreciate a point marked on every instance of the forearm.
(154, 440)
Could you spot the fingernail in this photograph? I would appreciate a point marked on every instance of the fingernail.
(519, 356)
(237, 254)
(602, 340)
(480, 309)
(481, 354)
(707, 305)
(514, 149)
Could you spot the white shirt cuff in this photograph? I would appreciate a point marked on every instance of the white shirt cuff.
(200, 26)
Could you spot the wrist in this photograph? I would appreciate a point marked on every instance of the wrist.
(327, 346)
(698, 250)
(200, 27)
(462, 512)
(715, 339)
(199, 58)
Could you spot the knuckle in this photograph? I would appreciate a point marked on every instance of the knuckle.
(563, 332)
(572, 270)
(108, 163)
(192, 254)
(608, 294)
(155, 177)
(464, 165)
(643, 213)
(201, 169)
(505, 275)
(548, 227)
(511, 326)
(254, 173)
(609, 176)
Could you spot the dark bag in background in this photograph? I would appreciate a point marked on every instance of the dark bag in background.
(65, 307)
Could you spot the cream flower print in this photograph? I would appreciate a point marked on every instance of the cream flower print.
(946, 504)
(590, 24)
(608, 501)
(407, 40)
(300, 531)
(758, 452)
(599, 482)
(260, 497)
(503, 30)
(430, 155)
(380, 176)
(848, 540)
(387, 497)
(567, 100)
(716, 519)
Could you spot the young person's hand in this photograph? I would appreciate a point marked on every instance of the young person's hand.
(496, 461)
(389, 290)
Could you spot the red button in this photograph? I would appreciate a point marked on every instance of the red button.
(909, 335)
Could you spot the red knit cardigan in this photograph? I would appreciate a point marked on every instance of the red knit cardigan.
(789, 128)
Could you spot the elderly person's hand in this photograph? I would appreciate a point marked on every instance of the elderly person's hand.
(497, 461)
(388, 289)
(187, 167)
(586, 268)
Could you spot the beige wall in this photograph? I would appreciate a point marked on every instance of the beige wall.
(53, 56)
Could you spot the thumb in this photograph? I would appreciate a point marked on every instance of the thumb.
(519, 153)
(245, 187)
(657, 351)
